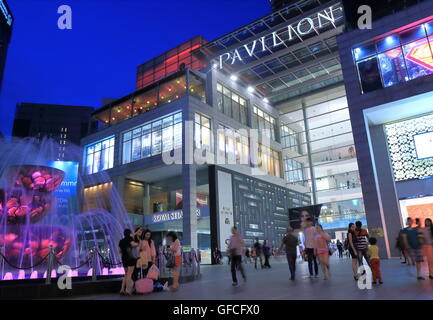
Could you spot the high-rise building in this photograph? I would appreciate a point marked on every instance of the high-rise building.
(65, 124)
(6, 22)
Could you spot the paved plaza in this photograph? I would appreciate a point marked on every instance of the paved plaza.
(274, 284)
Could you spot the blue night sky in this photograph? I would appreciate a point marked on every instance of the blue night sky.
(98, 57)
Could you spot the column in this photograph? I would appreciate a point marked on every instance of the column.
(189, 209)
(146, 202)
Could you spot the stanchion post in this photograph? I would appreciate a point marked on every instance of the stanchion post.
(3, 262)
(50, 262)
(94, 264)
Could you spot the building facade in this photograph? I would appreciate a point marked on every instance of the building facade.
(387, 74)
(6, 24)
(280, 78)
(64, 124)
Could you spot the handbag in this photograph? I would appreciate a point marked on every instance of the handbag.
(171, 261)
(153, 272)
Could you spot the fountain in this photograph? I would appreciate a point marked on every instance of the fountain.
(36, 219)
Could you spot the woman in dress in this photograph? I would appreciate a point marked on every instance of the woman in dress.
(147, 250)
(351, 240)
(176, 250)
(322, 240)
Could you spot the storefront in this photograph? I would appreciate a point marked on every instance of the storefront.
(387, 72)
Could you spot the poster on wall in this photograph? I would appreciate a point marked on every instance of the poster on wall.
(298, 216)
(225, 208)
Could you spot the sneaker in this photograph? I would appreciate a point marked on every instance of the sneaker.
(430, 277)
(380, 282)
(374, 282)
(292, 278)
(234, 284)
(420, 278)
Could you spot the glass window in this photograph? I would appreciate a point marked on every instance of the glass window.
(264, 122)
(392, 67)
(419, 59)
(231, 104)
(369, 75)
(202, 132)
(99, 156)
(152, 138)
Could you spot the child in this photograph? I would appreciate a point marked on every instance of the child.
(373, 253)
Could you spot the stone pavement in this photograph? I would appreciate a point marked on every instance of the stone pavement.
(274, 284)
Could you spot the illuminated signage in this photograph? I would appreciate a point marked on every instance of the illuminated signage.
(173, 215)
(302, 28)
(6, 13)
(421, 54)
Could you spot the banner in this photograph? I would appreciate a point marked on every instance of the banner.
(225, 208)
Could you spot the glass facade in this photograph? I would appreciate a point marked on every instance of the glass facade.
(320, 156)
(269, 161)
(152, 138)
(264, 122)
(396, 58)
(170, 62)
(231, 104)
(99, 155)
(151, 98)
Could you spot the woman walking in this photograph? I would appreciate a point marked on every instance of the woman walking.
(126, 246)
(176, 250)
(267, 253)
(351, 237)
(428, 245)
(322, 240)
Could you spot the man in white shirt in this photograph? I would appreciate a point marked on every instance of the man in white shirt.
(309, 239)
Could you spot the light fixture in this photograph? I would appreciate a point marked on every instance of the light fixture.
(250, 89)
(265, 100)
(215, 65)
(233, 77)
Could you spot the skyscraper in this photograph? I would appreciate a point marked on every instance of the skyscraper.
(65, 124)
(6, 21)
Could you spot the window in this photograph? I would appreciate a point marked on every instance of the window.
(269, 160)
(153, 138)
(264, 122)
(231, 104)
(99, 156)
(396, 58)
(233, 146)
(202, 132)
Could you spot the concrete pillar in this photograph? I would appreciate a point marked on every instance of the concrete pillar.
(189, 173)
(390, 209)
(146, 201)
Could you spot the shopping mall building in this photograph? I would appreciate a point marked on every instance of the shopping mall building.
(269, 99)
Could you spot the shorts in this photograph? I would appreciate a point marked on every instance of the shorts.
(178, 261)
(416, 255)
(129, 263)
(322, 251)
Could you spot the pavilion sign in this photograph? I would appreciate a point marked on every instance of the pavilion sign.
(303, 27)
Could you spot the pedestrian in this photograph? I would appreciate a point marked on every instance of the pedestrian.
(309, 236)
(412, 241)
(126, 246)
(340, 249)
(147, 250)
(373, 254)
(290, 242)
(361, 243)
(428, 245)
(235, 249)
(321, 248)
(175, 249)
(247, 255)
(405, 250)
(266, 253)
(258, 251)
(218, 256)
(352, 249)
